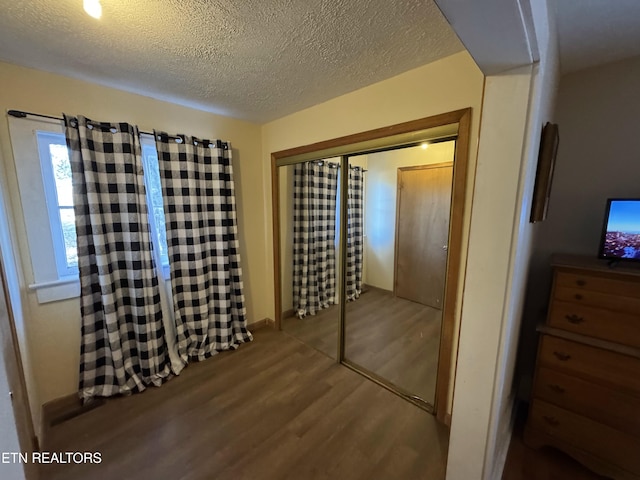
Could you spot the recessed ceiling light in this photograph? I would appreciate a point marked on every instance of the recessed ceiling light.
(424, 145)
(93, 8)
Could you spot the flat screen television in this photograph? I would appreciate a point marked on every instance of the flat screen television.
(621, 231)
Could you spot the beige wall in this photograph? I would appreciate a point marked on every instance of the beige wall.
(52, 331)
(381, 183)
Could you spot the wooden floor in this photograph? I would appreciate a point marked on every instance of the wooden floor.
(395, 338)
(274, 409)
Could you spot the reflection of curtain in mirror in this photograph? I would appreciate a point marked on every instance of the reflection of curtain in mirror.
(354, 233)
(314, 230)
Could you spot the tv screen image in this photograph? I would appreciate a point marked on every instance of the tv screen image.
(621, 236)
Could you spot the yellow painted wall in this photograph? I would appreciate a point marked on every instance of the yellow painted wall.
(51, 339)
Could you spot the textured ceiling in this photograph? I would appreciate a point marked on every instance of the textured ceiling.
(252, 59)
(594, 32)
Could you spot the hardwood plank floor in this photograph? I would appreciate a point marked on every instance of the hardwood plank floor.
(395, 338)
(274, 409)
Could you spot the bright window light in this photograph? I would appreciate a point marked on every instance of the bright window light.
(56, 173)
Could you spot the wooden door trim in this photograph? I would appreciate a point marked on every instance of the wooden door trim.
(456, 228)
(275, 214)
(24, 426)
(399, 175)
(454, 276)
(398, 129)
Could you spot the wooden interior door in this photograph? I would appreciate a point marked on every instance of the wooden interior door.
(422, 231)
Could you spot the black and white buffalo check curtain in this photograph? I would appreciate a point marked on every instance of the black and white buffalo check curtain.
(353, 270)
(202, 241)
(123, 346)
(314, 233)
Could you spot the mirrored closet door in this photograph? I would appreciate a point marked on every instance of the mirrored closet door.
(401, 205)
(368, 250)
(309, 246)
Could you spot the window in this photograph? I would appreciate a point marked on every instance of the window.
(154, 201)
(56, 175)
(44, 181)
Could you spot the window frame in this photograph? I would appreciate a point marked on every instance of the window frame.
(45, 247)
(38, 257)
(53, 207)
(162, 261)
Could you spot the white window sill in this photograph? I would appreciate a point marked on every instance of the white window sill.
(65, 288)
(56, 290)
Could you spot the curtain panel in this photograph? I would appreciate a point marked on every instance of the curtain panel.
(314, 236)
(202, 241)
(353, 268)
(123, 346)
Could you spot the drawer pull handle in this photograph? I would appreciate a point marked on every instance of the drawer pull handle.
(563, 357)
(581, 283)
(553, 421)
(556, 388)
(574, 318)
(578, 296)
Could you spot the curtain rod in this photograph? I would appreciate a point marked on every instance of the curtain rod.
(22, 114)
(336, 165)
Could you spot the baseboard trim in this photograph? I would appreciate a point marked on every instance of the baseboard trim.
(265, 322)
(63, 409)
(366, 287)
(70, 406)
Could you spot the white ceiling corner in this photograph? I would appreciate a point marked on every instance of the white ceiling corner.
(495, 32)
(595, 32)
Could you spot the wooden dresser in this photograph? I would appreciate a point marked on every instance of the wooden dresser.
(586, 391)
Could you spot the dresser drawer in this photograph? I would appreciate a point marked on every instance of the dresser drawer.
(593, 437)
(615, 370)
(599, 403)
(597, 299)
(617, 327)
(621, 286)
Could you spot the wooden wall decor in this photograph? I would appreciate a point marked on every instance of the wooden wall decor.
(544, 173)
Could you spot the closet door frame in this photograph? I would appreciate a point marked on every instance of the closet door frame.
(402, 134)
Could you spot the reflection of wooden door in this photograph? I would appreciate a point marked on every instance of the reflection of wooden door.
(422, 230)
